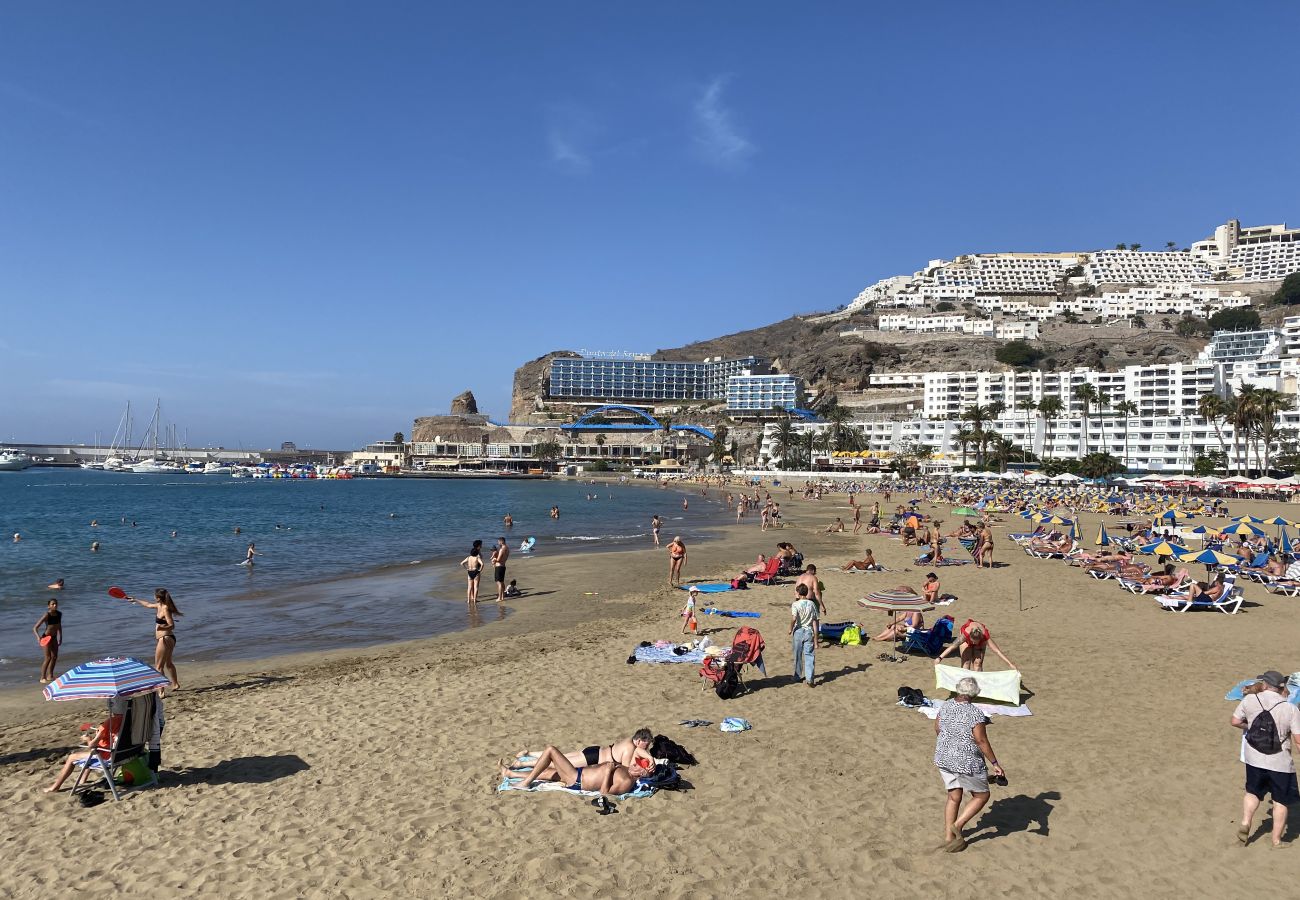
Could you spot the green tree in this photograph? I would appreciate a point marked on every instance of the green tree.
(964, 438)
(944, 306)
(1241, 416)
(977, 415)
(1000, 449)
(1240, 318)
(1099, 465)
(399, 438)
(1135, 247)
(1209, 463)
(1190, 326)
(600, 445)
(1289, 293)
(784, 439)
(1129, 409)
(1139, 322)
(1268, 404)
(1215, 410)
(1018, 353)
(1086, 394)
(1050, 408)
(547, 451)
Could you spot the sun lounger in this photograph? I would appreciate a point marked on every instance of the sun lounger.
(131, 742)
(1283, 587)
(1229, 603)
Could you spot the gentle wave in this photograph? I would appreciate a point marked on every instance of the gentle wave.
(606, 537)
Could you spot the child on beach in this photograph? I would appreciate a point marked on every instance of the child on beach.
(688, 611)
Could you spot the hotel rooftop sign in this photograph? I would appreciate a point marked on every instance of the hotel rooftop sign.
(614, 354)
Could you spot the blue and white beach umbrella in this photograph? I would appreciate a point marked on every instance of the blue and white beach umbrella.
(104, 679)
(1286, 548)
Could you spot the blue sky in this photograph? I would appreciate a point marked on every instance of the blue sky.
(313, 221)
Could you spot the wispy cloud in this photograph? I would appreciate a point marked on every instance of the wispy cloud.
(22, 95)
(570, 129)
(718, 137)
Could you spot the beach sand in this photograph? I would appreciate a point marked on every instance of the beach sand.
(373, 773)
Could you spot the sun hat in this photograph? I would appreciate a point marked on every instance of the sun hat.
(693, 589)
(1272, 678)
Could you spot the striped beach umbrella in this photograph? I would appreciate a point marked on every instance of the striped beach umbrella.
(895, 601)
(1103, 539)
(1173, 515)
(102, 679)
(1209, 558)
(1243, 528)
(1164, 548)
(1246, 519)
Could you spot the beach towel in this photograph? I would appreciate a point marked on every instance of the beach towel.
(508, 784)
(666, 655)
(954, 562)
(714, 587)
(730, 613)
(989, 709)
(1003, 686)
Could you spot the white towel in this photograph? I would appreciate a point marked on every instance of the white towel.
(1003, 686)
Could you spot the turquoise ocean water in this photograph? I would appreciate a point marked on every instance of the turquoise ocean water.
(313, 535)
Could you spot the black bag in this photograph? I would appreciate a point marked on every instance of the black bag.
(728, 685)
(664, 747)
(910, 696)
(1262, 734)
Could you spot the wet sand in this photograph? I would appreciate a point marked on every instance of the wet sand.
(373, 773)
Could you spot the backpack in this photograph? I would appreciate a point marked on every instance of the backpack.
(663, 778)
(852, 636)
(664, 747)
(728, 685)
(739, 584)
(1262, 734)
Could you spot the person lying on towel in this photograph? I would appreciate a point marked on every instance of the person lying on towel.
(626, 753)
(605, 778)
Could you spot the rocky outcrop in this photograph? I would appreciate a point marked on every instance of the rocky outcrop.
(529, 390)
(464, 404)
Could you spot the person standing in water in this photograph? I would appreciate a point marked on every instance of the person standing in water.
(473, 566)
(685, 505)
(499, 557)
(52, 622)
(508, 520)
(165, 613)
(252, 552)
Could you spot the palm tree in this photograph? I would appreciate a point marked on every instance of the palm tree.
(785, 440)
(600, 445)
(1002, 448)
(1241, 416)
(547, 451)
(1050, 407)
(837, 416)
(1129, 409)
(1029, 407)
(1268, 403)
(964, 438)
(1086, 394)
(1215, 410)
(977, 415)
(718, 446)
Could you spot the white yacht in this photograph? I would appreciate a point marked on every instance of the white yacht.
(14, 461)
(217, 468)
(156, 466)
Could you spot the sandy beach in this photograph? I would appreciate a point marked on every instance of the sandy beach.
(347, 774)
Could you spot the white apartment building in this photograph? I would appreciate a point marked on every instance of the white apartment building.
(1169, 299)
(1143, 443)
(908, 380)
(1257, 253)
(954, 323)
(1007, 273)
(1146, 267)
(1170, 389)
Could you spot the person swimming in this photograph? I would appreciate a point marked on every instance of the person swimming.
(56, 586)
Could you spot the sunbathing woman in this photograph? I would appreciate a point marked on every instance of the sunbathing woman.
(899, 625)
(1206, 591)
(866, 564)
(974, 639)
(1160, 582)
(605, 778)
(627, 752)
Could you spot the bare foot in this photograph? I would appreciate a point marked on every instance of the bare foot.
(50, 790)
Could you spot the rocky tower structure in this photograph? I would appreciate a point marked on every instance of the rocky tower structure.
(464, 404)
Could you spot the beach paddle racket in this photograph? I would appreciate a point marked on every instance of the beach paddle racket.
(117, 593)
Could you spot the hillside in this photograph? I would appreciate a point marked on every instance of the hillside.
(831, 362)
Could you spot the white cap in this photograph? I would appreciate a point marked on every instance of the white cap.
(693, 589)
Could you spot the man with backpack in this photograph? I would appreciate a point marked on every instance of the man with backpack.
(1271, 726)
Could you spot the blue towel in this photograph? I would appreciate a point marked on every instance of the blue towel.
(730, 613)
(1238, 694)
(714, 587)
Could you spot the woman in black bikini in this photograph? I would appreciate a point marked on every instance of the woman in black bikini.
(165, 613)
(52, 622)
(473, 565)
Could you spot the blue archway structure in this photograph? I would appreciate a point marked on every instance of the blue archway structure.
(647, 423)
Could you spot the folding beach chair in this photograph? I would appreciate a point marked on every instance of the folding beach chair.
(769, 575)
(130, 742)
(746, 650)
(930, 641)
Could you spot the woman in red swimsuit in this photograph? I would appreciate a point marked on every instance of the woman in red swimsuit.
(975, 638)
